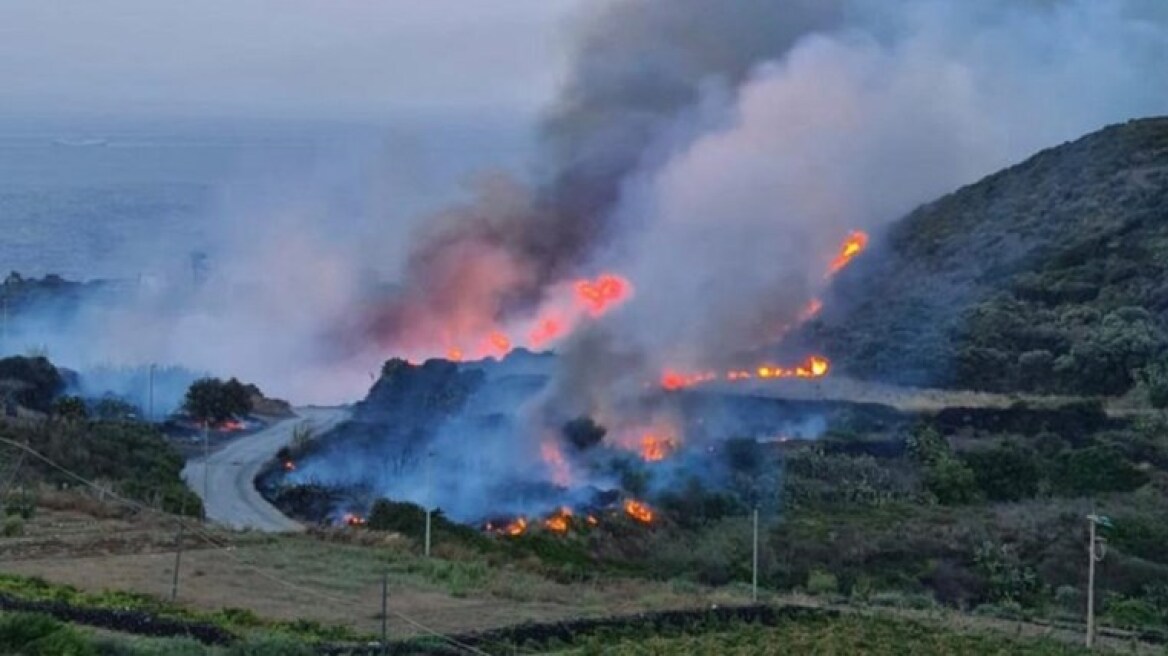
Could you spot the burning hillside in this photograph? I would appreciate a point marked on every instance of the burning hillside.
(492, 441)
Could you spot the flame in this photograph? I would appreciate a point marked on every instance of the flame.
(815, 366)
(855, 244)
(454, 354)
(654, 448)
(351, 519)
(289, 466)
(230, 426)
(592, 521)
(600, 295)
(516, 528)
(551, 454)
(638, 511)
(559, 522)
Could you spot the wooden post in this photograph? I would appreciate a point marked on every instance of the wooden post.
(385, 613)
(177, 556)
(1091, 583)
(754, 564)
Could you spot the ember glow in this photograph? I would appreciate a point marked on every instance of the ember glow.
(351, 519)
(639, 511)
(516, 528)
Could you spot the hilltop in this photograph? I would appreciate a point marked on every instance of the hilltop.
(1048, 277)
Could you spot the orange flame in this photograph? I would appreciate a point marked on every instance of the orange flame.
(815, 366)
(351, 519)
(517, 527)
(454, 354)
(289, 466)
(638, 511)
(560, 522)
(600, 295)
(855, 244)
(654, 448)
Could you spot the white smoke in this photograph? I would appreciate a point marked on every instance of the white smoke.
(853, 128)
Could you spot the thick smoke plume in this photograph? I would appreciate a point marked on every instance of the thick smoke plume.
(713, 154)
(716, 156)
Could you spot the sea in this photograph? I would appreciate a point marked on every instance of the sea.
(77, 195)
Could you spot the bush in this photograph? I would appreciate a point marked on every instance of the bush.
(270, 645)
(31, 634)
(13, 526)
(1005, 473)
(951, 481)
(822, 583)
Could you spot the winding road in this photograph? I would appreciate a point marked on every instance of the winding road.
(231, 497)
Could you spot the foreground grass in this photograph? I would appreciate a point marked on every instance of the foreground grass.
(845, 635)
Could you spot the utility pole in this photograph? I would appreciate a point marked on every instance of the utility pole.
(177, 556)
(150, 406)
(429, 499)
(1096, 550)
(206, 463)
(385, 613)
(754, 564)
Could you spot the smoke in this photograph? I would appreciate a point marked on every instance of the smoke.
(714, 157)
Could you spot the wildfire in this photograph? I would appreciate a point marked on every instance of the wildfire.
(230, 426)
(515, 528)
(654, 448)
(592, 521)
(560, 522)
(351, 519)
(855, 244)
(815, 366)
(599, 295)
(289, 466)
(639, 511)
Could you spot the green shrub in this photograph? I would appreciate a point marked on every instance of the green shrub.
(13, 527)
(270, 645)
(951, 481)
(820, 582)
(31, 634)
(1131, 614)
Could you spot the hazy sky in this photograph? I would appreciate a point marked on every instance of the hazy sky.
(326, 59)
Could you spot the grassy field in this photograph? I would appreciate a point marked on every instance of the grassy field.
(844, 636)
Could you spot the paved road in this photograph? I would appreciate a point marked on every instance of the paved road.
(232, 499)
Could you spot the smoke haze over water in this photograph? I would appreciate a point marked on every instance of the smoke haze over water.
(713, 153)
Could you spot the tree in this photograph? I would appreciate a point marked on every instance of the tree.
(584, 433)
(1155, 379)
(1005, 473)
(70, 408)
(212, 400)
(951, 481)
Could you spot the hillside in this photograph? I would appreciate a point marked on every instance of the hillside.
(1048, 277)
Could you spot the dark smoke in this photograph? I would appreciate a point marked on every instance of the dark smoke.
(637, 68)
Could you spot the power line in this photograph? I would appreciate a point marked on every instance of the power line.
(226, 550)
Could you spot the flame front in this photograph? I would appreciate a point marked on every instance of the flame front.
(855, 244)
(515, 528)
(639, 511)
(598, 296)
(815, 366)
(560, 522)
(654, 448)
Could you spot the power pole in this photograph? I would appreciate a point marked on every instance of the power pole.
(177, 557)
(206, 464)
(150, 406)
(754, 564)
(1096, 549)
(429, 502)
(385, 613)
